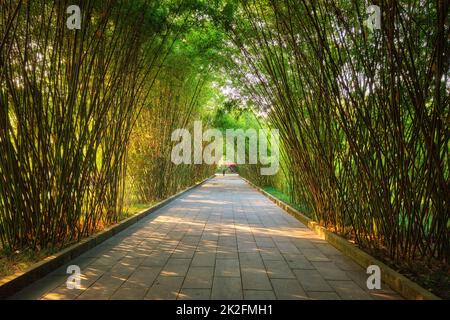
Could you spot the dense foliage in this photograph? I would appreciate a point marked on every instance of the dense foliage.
(86, 115)
(363, 115)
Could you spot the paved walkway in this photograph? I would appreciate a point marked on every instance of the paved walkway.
(223, 240)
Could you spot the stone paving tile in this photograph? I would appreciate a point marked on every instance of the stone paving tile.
(323, 295)
(329, 271)
(259, 295)
(287, 247)
(226, 288)
(314, 255)
(297, 261)
(194, 294)
(103, 288)
(248, 247)
(227, 253)
(204, 259)
(271, 254)
(105, 261)
(227, 240)
(311, 280)
(190, 240)
(209, 236)
(199, 278)
(222, 240)
(176, 267)
(62, 293)
(251, 260)
(156, 259)
(183, 253)
(287, 289)
(90, 275)
(123, 269)
(349, 290)
(265, 242)
(143, 276)
(165, 288)
(278, 269)
(302, 243)
(255, 279)
(137, 256)
(347, 264)
(168, 246)
(129, 293)
(227, 268)
(206, 245)
(328, 250)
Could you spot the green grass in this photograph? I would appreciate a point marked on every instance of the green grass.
(134, 208)
(278, 194)
(302, 207)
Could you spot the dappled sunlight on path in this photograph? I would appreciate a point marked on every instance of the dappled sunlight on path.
(222, 240)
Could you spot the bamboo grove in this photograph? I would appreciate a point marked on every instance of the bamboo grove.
(69, 102)
(87, 115)
(363, 115)
(175, 99)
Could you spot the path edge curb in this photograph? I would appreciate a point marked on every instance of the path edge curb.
(398, 282)
(19, 280)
